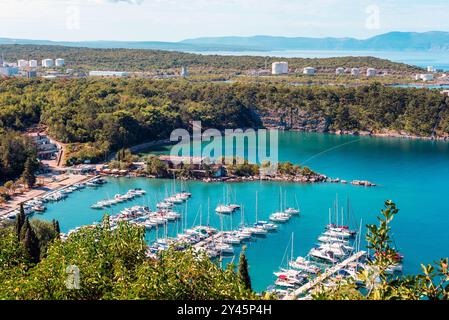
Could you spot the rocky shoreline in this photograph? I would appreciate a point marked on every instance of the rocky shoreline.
(318, 178)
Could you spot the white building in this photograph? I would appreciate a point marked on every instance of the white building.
(339, 71)
(32, 63)
(47, 63)
(22, 63)
(309, 71)
(279, 68)
(108, 74)
(59, 62)
(371, 72)
(355, 72)
(430, 69)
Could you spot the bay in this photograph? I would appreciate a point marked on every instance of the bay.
(413, 173)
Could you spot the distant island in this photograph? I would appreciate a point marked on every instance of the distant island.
(392, 41)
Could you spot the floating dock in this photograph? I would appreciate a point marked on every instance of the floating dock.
(329, 272)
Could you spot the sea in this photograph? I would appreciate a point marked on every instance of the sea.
(412, 173)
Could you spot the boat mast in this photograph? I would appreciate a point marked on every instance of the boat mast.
(208, 211)
(342, 212)
(257, 215)
(336, 209)
(291, 257)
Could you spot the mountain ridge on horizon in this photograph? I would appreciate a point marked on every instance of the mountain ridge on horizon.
(391, 41)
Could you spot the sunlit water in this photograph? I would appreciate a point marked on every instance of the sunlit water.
(415, 174)
(437, 59)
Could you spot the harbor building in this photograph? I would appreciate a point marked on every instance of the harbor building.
(339, 71)
(32, 63)
(59, 62)
(279, 68)
(355, 72)
(371, 72)
(108, 74)
(47, 63)
(309, 71)
(46, 149)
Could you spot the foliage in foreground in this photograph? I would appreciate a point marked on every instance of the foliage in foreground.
(432, 284)
(112, 265)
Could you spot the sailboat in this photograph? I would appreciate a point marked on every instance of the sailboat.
(226, 209)
(265, 225)
(280, 216)
(293, 211)
(289, 278)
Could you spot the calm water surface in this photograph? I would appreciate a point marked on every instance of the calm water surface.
(415, 174)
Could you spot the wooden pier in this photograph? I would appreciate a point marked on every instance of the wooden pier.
(305, 288)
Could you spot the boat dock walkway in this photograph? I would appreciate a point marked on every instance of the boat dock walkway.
(305, 288)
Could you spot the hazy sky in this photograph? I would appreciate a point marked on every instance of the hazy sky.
(172, 20)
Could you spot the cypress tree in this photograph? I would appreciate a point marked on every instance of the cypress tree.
(20, 220)
(57, 229)
(30, 241)
(243, 270)
(28, 173)
(31, 244)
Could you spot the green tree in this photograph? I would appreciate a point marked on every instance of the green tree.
(30, 242)
(243, 270)
(156, 167)
(20, 220)
(28, 174)
(432, 284)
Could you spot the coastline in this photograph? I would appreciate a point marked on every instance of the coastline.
(363, 133)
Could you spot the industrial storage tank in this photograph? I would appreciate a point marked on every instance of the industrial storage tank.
(339, 71)
(309, 71)
(32, 63)
(59, 62)
(355, 71)
(371, 72)
(22, 63)
(279, 68)
(47, 63)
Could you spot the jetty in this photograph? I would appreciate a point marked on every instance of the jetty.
(329, 272)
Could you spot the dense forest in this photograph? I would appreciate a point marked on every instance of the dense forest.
(151, 60)
(16, 150)
(97, 116)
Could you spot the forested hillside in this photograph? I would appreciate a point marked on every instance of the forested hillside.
(97, 116)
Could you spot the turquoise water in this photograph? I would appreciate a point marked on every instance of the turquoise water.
(438, 59)
(415, 174)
